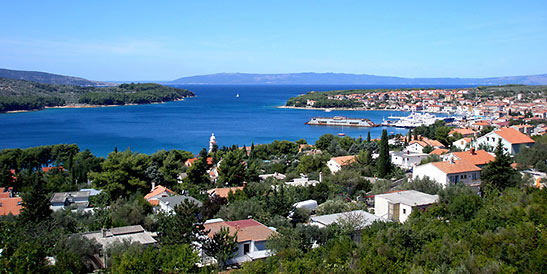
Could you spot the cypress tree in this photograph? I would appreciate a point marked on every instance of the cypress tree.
(368, 137)
(384, 162)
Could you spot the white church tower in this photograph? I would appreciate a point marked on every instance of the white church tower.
(212, 142)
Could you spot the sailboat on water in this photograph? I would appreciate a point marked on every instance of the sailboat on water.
(237, 95)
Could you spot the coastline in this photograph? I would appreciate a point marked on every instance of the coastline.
(85, 106)
(323, 109)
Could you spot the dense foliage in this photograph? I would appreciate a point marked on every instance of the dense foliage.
(26, 95)
(462, 234)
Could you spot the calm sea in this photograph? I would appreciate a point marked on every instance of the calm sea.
(187, 125)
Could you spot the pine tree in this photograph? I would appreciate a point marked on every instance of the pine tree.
(384, 161)
(498, 174)
(35, 202)
(368, 136)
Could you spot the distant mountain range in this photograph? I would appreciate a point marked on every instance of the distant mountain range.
(351, 79)
(49, 78)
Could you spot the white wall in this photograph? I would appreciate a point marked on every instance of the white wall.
(430, 171)
(381, 207)
(333, 166)
(491, 139)
(461, 144)
(404, 212)
(415, 147)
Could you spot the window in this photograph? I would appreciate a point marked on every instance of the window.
(404, 210)
(246, 248)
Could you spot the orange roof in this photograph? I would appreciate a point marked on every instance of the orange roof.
(224, 191)
(48, 168)
(10, 205)
(477, 157)
(154, 202)
(462, 131)
(482, 123)
(425, 142)
(157, 191)
(189, 162)
(439, 151)
(457, 167)
(344, 160)
(513, 136)
(247, 230)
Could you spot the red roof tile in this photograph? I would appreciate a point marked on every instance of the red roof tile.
(513, 136)
(157, 191)
(10, 205)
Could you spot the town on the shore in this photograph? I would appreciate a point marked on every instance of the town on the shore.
(425, 201)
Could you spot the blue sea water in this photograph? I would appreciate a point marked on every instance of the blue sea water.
(187, 125)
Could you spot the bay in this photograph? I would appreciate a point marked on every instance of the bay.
(187, 125)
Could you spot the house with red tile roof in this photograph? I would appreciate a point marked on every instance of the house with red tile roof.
(479, 158)
(417, 146)
(463, 143)
(511, 139)
(223, 191)
(465, 132)
(251, 238)
(156, 193)
(439, 151)
(336, 163)
(449, 172)
(8, 203)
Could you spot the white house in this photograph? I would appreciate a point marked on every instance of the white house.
(511, 140)
(452, 171)
(156, 193)
(336, 163)
(417, 146)
(251, 238)
(407, 160)
(462, 143)
(168, 204)
(479, 158)
(397, 206)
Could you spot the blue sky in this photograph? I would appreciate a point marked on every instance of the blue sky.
(142, 40)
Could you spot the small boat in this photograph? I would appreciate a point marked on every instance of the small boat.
(341, 134)
(328, 110)
(237, 95)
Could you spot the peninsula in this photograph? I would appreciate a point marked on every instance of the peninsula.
(21, 95)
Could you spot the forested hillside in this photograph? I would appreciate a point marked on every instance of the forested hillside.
(26, 95)
(50, 78)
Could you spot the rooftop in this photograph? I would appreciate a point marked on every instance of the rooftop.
(173, 201)
(344, 160)
(10, 205)
(361, 215)
(410, 197)
(513, 136)
(223, 191)
(458, 166)
(475, 157)
(60, 197)
(246, 229)
(157, 191)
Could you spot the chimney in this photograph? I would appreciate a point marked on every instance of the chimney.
(153, 185)
(321, 176)
(104, 232)
(472, 151)
(244, 184)
(451, 160)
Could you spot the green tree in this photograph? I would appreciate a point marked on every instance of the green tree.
(182, 226)
(123, 173)
(384, 162)
(222, 246)
(231, 171)
(35, 203)
(498, 174)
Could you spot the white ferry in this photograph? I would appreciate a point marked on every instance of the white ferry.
(340, 121)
